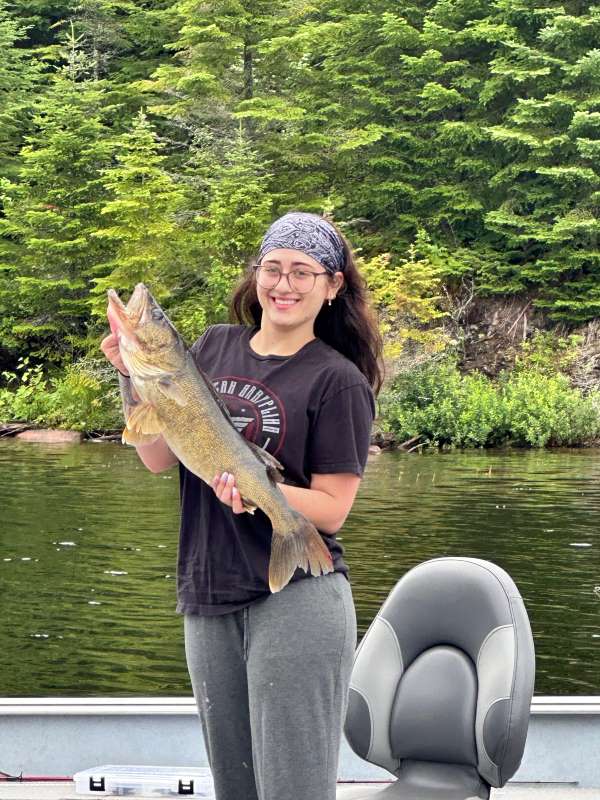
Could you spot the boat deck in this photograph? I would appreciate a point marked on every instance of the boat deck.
(65, 790)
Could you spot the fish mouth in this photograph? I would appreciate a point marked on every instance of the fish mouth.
(125, 318)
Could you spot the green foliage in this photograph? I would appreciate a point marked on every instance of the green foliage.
(408, 296)
(238, 211)
(548, 353)
(140, 229)
(444, 407)
(526, 407)
(50, 213)
(453, 141)
(19, 78)
(26, 401)
(77, 399)
(543, 409)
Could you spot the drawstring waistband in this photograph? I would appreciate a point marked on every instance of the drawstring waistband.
(246, 632)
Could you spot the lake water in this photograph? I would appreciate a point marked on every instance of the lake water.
(88, 545)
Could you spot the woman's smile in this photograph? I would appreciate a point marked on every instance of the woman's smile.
(283, 303)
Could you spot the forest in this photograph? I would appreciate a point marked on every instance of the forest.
(456, 143)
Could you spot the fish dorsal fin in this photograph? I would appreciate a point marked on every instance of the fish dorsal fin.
(274, 468)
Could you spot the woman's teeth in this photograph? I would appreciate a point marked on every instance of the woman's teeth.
(283, 303)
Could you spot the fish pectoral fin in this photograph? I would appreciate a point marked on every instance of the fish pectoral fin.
(144, 419)
(172, 391)
(133, 437)
(274, 468)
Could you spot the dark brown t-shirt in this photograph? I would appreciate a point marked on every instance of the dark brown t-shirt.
(313, 411)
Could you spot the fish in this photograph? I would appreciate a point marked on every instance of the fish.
(179, 402)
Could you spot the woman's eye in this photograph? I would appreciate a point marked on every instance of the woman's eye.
(302, 274)
(271, 270)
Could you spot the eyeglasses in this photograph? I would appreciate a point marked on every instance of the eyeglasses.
(300, 280)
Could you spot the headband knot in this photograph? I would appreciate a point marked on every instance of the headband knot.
(310, 233)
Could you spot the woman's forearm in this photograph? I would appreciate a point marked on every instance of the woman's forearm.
(326, 504)
(323, 510)
(157, 456)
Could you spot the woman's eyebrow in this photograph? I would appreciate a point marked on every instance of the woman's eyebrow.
(294, 263)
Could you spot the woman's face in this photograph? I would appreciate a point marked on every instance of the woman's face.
(282, 305)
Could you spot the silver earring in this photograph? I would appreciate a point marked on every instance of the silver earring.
(329, 303)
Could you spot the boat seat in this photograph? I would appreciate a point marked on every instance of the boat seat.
(442, 682)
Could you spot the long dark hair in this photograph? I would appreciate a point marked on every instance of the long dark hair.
(349, 324)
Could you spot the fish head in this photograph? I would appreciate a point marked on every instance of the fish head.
(148, 340)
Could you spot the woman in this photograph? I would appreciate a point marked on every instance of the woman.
(270, 672)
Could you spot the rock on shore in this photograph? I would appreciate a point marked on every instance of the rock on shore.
(50, 435)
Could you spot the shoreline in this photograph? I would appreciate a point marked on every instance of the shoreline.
(380, 441)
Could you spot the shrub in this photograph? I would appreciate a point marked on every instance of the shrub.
(79, 398)
(445, 407)
(525, 407)
(25, 395)
(544, 410)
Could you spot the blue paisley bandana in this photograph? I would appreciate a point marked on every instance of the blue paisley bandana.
(309, 233)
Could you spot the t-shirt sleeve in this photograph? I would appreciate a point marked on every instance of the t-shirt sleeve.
(196, 348)
(342, 431)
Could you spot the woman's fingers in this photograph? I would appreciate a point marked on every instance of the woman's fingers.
(227, 492)
(110, 347)
(224, 486)
(236, 501)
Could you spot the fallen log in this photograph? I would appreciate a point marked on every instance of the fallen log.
(405, 445)
(12, 428)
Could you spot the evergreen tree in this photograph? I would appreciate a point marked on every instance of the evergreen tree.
(544, 76)
(215, 63)
(47, 250)
(145, 240)
(381, 120)
(19, 78)
(229, 208)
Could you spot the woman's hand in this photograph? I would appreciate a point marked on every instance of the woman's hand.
(110, 347)
(227, 492)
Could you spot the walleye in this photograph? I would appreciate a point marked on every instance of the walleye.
(179, 402)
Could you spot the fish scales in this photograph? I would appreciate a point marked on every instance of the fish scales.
(216, 448)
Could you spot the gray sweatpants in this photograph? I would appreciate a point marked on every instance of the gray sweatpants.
(271, 684)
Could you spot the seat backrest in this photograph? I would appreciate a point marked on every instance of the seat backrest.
(445, 672)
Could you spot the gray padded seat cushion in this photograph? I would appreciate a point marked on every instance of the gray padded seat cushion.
(445, 675)
(440, 684)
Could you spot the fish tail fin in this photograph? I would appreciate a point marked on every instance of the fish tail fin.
(302, 546)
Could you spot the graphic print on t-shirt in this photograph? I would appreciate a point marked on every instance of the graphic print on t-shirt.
(256, 411)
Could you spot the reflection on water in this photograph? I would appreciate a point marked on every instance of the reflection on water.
(88, 543)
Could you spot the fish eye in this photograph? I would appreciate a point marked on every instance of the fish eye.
(156, 313)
